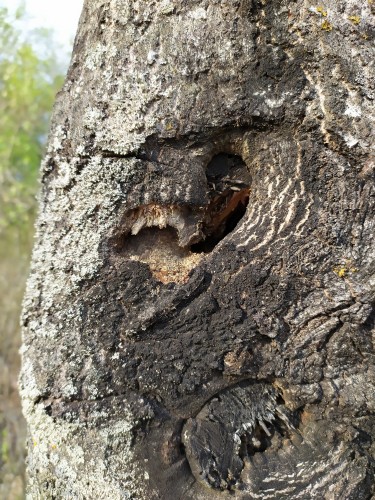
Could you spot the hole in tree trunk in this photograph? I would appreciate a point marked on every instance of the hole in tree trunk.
(172, 239)
(219, 223)
(229, 187)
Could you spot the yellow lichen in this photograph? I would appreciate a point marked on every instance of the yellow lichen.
(344, 269)
(354, 19)
(326, 25)
(321, 11)
(340, 271)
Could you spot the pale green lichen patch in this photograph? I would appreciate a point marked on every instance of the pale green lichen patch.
(166, 7)
(68, 456)
(95, 56)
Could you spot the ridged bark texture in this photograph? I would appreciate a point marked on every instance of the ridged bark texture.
(198, 321)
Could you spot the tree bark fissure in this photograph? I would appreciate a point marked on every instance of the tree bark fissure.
(198, 321)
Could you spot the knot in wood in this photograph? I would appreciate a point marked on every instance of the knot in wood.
(232, 427)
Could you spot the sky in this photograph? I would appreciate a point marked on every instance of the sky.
(61, 16)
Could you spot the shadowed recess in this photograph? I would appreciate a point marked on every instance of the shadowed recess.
(172, 239)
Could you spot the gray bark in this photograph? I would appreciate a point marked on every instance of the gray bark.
(198, 322)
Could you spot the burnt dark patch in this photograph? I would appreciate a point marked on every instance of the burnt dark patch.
(222, 217)
(228, 182)
(224, 164)
(233, 427)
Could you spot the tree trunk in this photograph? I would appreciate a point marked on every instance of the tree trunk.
(198, 320)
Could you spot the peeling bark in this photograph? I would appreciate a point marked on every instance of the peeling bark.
(198, 322)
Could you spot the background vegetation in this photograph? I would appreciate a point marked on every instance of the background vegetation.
(31, 69)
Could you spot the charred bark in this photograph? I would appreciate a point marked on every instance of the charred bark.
(199, 316)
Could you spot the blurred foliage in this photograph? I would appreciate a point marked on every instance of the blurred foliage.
(31, 68)
(30, 75)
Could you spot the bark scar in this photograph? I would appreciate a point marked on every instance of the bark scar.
(172, 239)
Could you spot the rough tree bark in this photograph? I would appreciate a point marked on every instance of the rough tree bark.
(198, 322)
